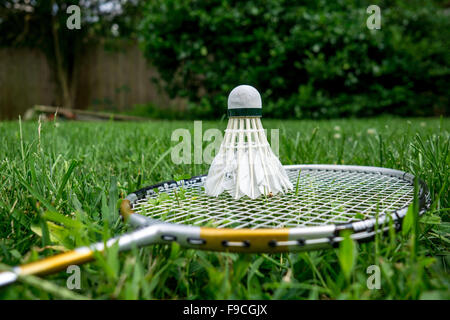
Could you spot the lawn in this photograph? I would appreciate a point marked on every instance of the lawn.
(81, 170)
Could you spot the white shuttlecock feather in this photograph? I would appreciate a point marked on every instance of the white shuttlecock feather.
(245, 164)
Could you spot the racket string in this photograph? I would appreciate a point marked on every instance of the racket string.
(321, 197)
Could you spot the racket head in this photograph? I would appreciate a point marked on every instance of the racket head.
(326, 200)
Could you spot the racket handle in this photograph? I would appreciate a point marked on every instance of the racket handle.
(138, 238)
(48, 265)
(61, 261)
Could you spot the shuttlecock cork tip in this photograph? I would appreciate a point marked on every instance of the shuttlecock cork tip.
(244, 101)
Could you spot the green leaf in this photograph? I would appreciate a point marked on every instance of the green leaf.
(66, 177)
(113, 197)
(174, 250)
(359, 215)
(408, 220)
(109, 261)
(105, 210)
(431, 219)
(112, 259)
(66, 221)
(180, 177)
(57, 234)
(347, 254)
(45, 233)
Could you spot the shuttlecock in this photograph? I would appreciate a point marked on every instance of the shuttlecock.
(245, 163)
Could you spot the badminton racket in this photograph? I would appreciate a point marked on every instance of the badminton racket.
(326, 200)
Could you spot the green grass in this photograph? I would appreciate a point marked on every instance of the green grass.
(60, 186)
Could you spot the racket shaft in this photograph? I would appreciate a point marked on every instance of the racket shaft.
(80, 255)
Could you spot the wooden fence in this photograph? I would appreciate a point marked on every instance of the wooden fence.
(106, 80)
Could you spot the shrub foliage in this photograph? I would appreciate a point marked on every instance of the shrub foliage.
(307, 58)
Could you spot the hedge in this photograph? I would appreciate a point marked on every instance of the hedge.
(308, 59)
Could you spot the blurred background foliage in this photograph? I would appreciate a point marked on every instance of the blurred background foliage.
(309, 59)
